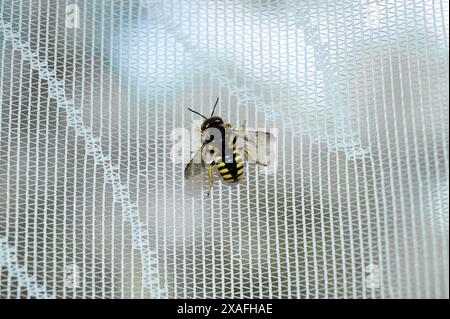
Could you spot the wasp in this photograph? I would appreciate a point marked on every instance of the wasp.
(225, 149)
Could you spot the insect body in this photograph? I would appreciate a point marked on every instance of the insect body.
(227, 157)
(230, 167)
(224, 149)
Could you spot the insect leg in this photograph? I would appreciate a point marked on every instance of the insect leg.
(211, 178)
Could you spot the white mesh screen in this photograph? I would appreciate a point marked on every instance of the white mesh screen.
(93, 206)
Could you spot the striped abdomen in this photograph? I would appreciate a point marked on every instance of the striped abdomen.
(231, 171)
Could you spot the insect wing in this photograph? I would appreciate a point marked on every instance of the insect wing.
(196, 172)
(258, 144)
(196, 165)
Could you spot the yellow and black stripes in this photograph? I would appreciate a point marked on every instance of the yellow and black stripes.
(231, 172)
(239, 164)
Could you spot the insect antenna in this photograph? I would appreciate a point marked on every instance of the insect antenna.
(214, 107)
(197, 113)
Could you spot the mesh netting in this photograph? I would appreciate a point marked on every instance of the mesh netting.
(92, 204)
